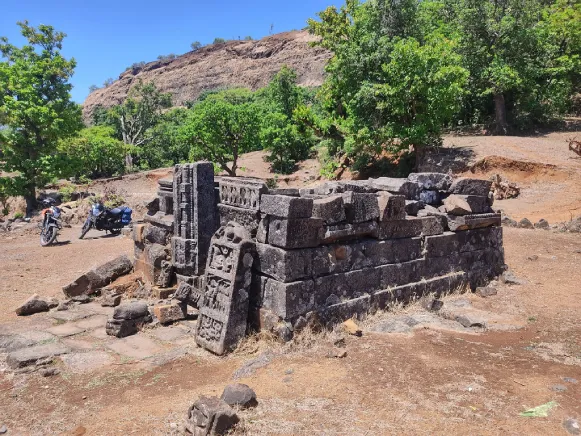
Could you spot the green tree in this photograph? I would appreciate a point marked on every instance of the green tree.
(219, 41)
(93, 88)
(140, 112)
(94, 152)
(248, 38)
(35, 107)
(108, 82)
(222, 127)
(196, 45)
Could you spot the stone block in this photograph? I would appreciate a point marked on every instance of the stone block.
(156, 235)
(431, 181)
(99, 277)
(162, 293)
(185, 257)
(133, 310)
(346, 232)
(288, 300)
(283, 265)
(111, 300)
(283, 206)
(292, 192)
(257, 290)
(457, 204)
(479, 239)
(396, 229)
(398, 274)
(430, 197)
(432, 225)
(441, 245)
(342, 311)
(391, 207)
(395, 251)
(34, 304)
(360, 186)
(160, 219)
(242, 193)
(413, 207)
(360, 207)
(468, 222)
(295, 233)
(440, 266)
(330, 209)
(138, 230)
(169, 313)
(210, 416)
(467, 186)
(262, 231)
(122, 328)
(332, 289)
(239, 395)
(248, 218)
(404, 187)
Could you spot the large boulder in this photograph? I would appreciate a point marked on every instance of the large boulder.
(97, 278)
(239, 395)
(34, 304)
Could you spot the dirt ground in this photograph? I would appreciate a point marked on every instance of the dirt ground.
(428, 380)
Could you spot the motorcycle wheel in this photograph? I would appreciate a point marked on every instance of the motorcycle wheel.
(85, 229)
(47, 236)
(116, 232)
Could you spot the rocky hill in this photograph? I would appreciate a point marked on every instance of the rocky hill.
(248, 64)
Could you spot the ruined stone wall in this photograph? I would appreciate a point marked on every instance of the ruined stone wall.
(328, 253)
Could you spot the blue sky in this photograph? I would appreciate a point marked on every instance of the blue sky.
(106, 36)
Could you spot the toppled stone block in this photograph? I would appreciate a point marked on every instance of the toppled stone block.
(295, 233)
(396, 229)
(122, 328)
(466, 204)
(360, 207)
(391, 207)
(99, 277)
(239, 395)
(431, 181)
(32, 355)
(467, 222)
(133, 310)
(404, 187)
(210, 416)
(34, 304)
(413, 207)
(330, 209)
(466, 186)
(168, 313)
(286, 207)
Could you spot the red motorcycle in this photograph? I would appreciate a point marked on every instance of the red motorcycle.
(51, 223)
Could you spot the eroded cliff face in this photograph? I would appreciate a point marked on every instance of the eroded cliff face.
(249, 64)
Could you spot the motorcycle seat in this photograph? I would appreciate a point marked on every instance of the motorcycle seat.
(116, 211)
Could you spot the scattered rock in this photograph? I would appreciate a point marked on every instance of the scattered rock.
(34, 304)
(525, 223)
(240, 395)
(52, 302)
(509, 278)
(337, 353)
(570, 380)
(3, 430)
(352, 328)
(503, 189)
(533, 257)
(542, 224)
(467, 320)
(111, 300)
(558, 388)
(81, 299)
(284, 332)
(486, 291)
(251, 366)
(432, 304)
(572, 426)
(49, 372)
(63, 305)
(340, 343)
(509, 222)
(210, 416)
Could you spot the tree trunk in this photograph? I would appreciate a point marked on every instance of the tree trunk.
(30, 198)
(129, 162)
(500, 113)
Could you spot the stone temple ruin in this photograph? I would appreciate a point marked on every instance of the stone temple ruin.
(248, 256)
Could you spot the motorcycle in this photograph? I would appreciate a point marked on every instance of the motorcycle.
(51, 223)
(110, 220)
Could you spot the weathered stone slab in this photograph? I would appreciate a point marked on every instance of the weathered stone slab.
(398, 274)
(467, 186)
(34, 304)
(332, 289)
(468, 222)
(479, 239)
(31, 355)
(360, 207)
(168, 313)
(410, 190)
(431, 181)
(288, 300)
(99, 277)
(395, 251)
(185, 257)
(283, 265)
(337, 313)
(345, 231)
(330, 209)
(441, 245)
(391, 207)
(243, 193)
(295, 233)
(248, 218)
(283, 206)
(224, 308)
(292, 192)
(457, 204)
(210, 416)
(396, 229)
(161, 219)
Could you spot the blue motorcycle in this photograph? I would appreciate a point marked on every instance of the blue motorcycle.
(104, 219)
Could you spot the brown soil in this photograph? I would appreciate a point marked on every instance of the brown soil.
(431, 381)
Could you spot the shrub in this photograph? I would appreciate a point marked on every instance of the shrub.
(196, 45)
(67, 192)
(219, 41)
